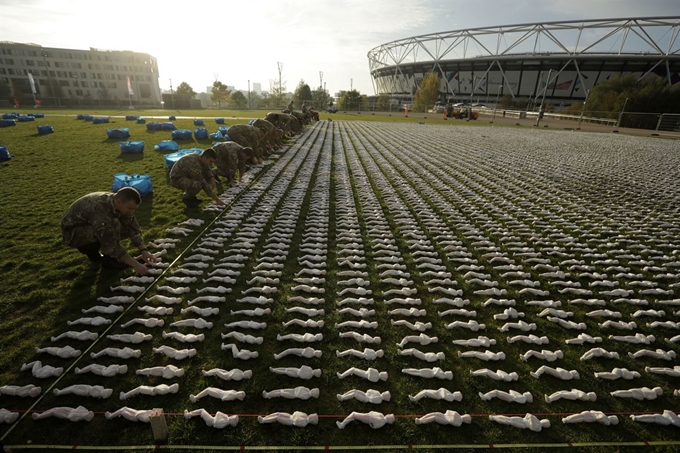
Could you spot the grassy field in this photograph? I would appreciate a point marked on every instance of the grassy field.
(48, 284)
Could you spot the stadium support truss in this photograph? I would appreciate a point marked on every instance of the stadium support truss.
(563, 59)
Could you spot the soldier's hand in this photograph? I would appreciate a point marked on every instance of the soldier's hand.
(141, 269)
(148, 257)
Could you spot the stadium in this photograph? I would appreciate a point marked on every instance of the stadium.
(561, 60)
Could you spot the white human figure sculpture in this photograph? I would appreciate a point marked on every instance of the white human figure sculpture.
(177, 354)
(106, 310)
(22, 391)
(116, 299)
(371, 374)
(102, 370)
(638, 338)
(94, 391)
(231, 375)
(312, 311)
(617, 373)
(198, 323)
(306, 353)
(243, 338)
(438, 394)
(530, 339)
(485, 356)
(546, 355)
(219, 420)
(146, 322)
(41, 371)
(529, 421)
(162, 389)
(520, 325)
(584, 338)
(355, 300)
(167, 300)
(308, 323)
(373, 419)
(621, 325)
(208, 311)
(361, 338)
(156, 311)
(402, 301)
(243, 354)
(212, 289)
(421, 339)
(370, 396)
(666, 418)
(124, 353)
(128, 289)
(472, 325)
(407, 312)
(67, 352)
(572, 395)
(222, 395)
(498, 375)
(71, 414)
(8, 416)
(300, 338)
(591, 417)
(247, 325)
(166, 372)
(658, 354)
(255, 312)
(512, 396)
(558, 372)
(366, 354)
(429, 373)
(480, 341)
(184, 338)
(133, 415)
(211, 299)
(300, 392)
(673, 372)
(297, 419)
(599, 352)
(134, 338)
(568, 324)
(426, 356)
(449, 417)
(361, 324)
(84, 335)
(642, 393)
(360, 313)
(304, 372)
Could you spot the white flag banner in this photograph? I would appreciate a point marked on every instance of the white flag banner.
(130, 92)
(32, 82)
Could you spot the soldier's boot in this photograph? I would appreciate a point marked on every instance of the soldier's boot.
(91, 251)
(191, 201)
(109, 262)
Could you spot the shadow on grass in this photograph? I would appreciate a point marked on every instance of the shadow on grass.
(130, 157)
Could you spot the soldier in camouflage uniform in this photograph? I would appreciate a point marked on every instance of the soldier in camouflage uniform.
(192, 174)
(99, 221)
(249, 137)
(272, 134)
(230, 157)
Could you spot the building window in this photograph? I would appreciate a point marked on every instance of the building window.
(30, 63)
(9, 61)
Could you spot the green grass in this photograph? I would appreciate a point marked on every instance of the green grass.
(47, 284)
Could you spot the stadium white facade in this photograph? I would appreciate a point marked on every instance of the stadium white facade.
(73, 75)
(563, 59)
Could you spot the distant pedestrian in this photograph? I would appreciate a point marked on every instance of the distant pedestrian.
(290, 105)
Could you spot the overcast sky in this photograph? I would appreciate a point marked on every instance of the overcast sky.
(236, 41)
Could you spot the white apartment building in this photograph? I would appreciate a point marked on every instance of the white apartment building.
(73, 76)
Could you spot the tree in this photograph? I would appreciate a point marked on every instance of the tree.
(185, 88)
(302, 93)
(320, 99)
(350, 100)
(428, 92)
(255, 100)
(220, 93)
(383, 102)
(238, 100)
(277, 95)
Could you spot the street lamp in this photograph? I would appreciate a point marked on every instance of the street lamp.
(582, 110)
(540, 110)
